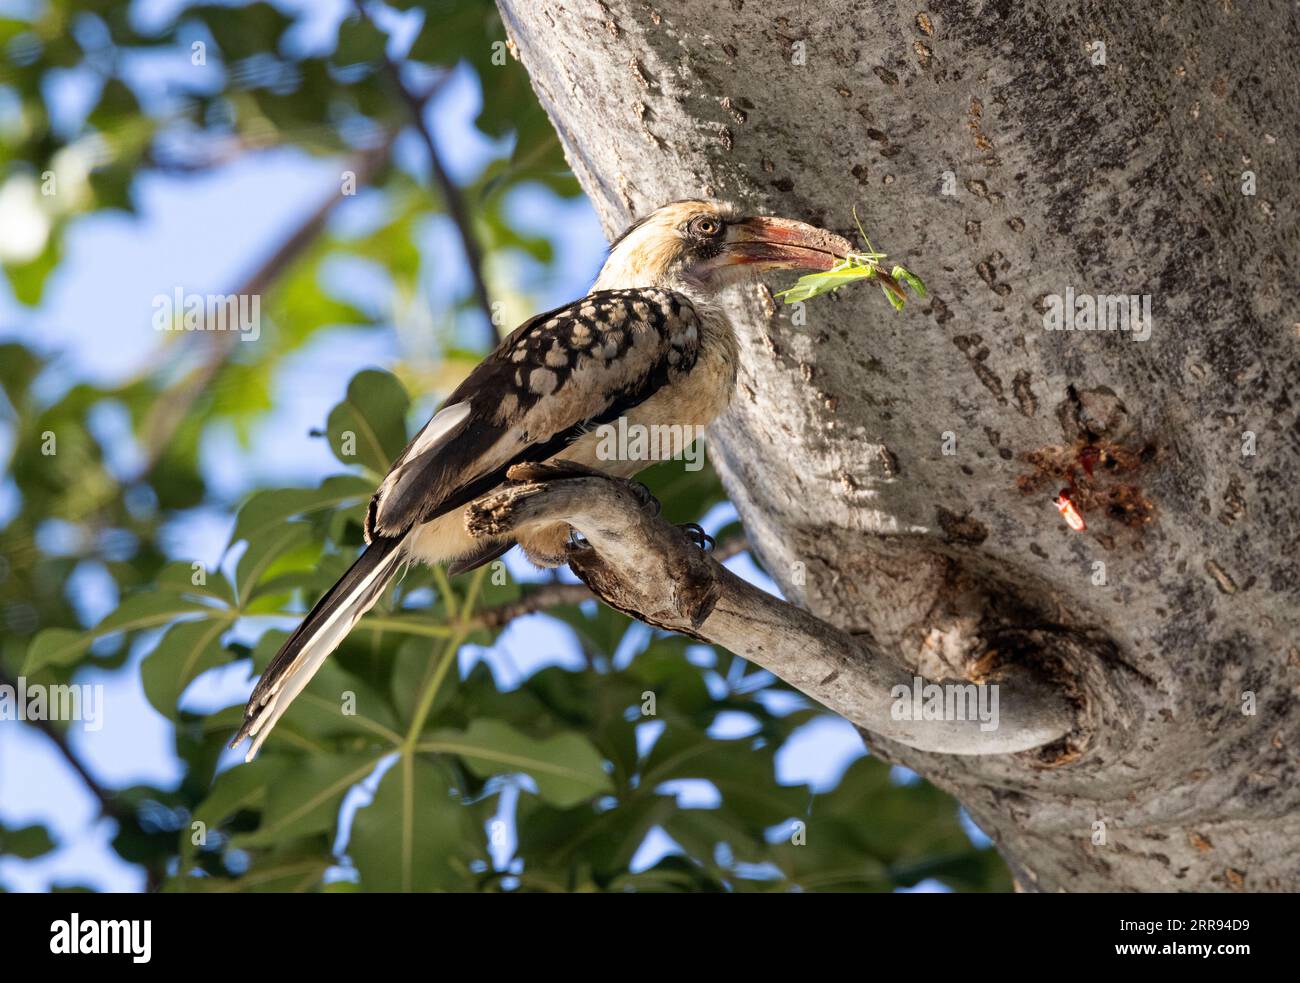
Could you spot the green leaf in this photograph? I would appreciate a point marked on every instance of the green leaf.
(55, 647)
(26, 842)
(967, 870)
(600, 632)
(147, 610)
(178, 577)
(566, 767)
(679, 688)
(266, 510)
(306, 798)
(450, 29)
(745, 774)
(291, 875)
(117, 106)
(413, 836)
(263, 552)
(187, 650)
(246, 30)
(700, 831)
(414, 665)
(112, 186)
(61, 647)
(369, 427)
(359, 41)
(557, 844)
(19, 367)
(27, 279)
(234, 790)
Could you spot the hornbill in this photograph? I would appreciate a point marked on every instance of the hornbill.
(650, 343)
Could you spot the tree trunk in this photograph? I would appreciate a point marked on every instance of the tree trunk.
(896, 471)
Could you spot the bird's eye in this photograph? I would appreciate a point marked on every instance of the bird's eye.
(707, 226)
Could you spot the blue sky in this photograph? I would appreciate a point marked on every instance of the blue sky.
(206, 232)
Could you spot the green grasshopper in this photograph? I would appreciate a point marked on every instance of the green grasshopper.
(857, 266)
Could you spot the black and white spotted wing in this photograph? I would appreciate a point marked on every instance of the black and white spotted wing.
(551, 379)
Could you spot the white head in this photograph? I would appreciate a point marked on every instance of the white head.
(699, 247)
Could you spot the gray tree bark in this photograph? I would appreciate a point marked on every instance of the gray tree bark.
(896, 472)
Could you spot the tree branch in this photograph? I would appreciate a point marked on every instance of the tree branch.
(538, 599)
(671, 583)
(451, 195)
(559, 595)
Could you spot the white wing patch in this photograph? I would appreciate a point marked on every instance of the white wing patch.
(436, 433)
(437, 429)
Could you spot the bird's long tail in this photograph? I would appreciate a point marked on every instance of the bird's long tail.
(320, 633)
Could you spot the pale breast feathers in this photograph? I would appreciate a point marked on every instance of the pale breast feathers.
(551, 379)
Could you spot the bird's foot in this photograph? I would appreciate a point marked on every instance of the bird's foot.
(558, 470)
(552, 471)
(644, 497)
(698, 536)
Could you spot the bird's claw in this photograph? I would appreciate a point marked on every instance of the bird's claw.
(698, 536)
(645, 498)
